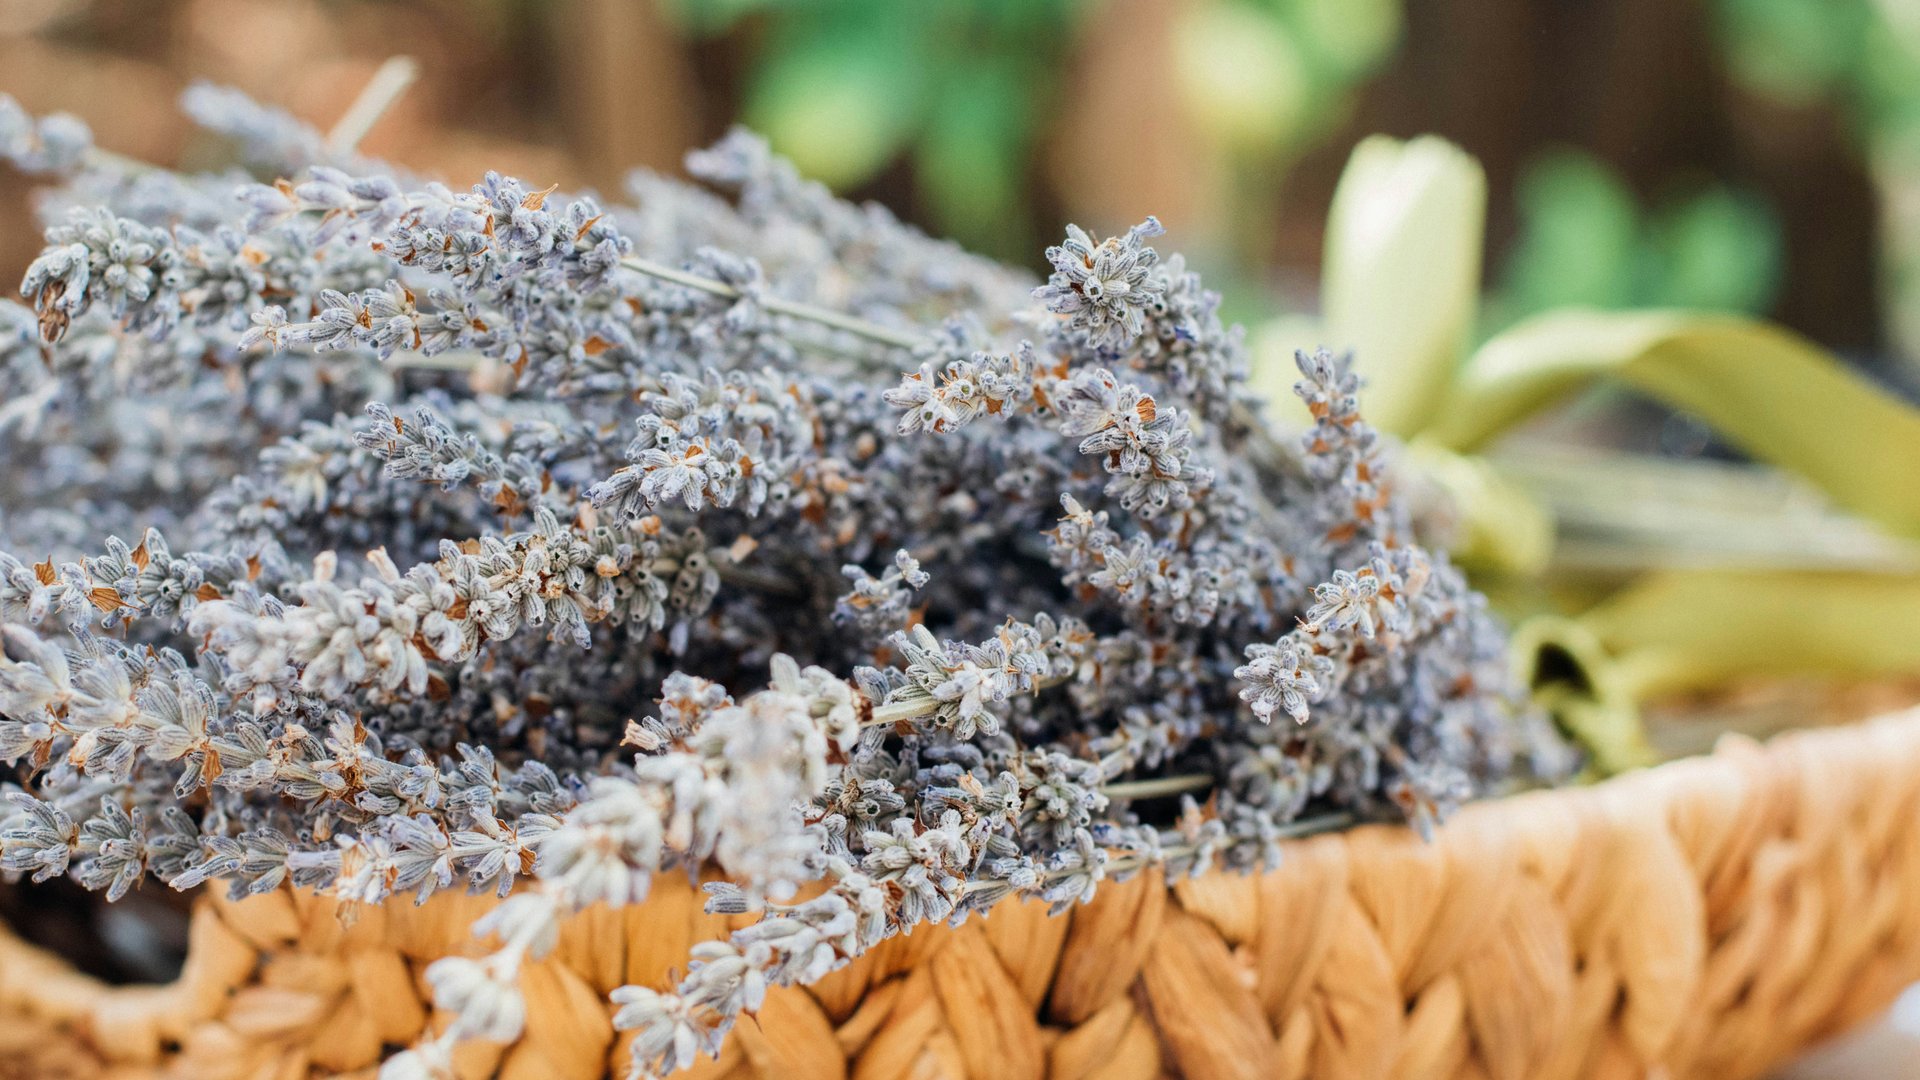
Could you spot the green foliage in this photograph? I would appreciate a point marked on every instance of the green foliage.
(1584, 242)
(1861, 58)
(1578, 236)
(1343, 40)
(1784, 401)
(841, 93)
(1795, 50)
(1395, 251)
(971, 157)
(1243, 78)
(1889, 90)
(963, 89)
(1863, 55)
(1720, 250)
(1269, 77)
(849, 88)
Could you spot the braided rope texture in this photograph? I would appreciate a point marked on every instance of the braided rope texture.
(1707, 918)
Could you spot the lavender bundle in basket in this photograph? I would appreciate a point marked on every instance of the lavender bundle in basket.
(385, 538)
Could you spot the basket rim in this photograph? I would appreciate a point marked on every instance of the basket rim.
(1657, 780)
(1652, 849)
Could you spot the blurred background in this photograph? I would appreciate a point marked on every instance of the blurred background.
(1759, 156)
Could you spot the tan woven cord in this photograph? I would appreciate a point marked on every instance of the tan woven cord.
(1703, 919)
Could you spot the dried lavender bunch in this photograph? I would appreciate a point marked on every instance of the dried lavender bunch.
(492, 529)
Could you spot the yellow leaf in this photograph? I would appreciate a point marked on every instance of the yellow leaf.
(1490, 522)
(1778, 397)
(1400, 281)
(1270, 347)
(1575, 677)
(1685, 630)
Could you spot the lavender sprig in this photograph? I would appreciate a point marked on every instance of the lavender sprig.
(521, 542)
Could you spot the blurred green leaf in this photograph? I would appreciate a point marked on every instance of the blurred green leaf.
(1780, 398)
(1794, 50)
(1718, 251)
(1890, 83)
(841, 96)
(1401, 275)
(1241, 76)
(1579, 230)
(1583, 243)
(968, 160)
(1348, 38)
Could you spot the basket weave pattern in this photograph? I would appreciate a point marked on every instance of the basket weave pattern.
(1706, 919)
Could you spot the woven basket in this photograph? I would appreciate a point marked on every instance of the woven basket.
(1707, 918)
